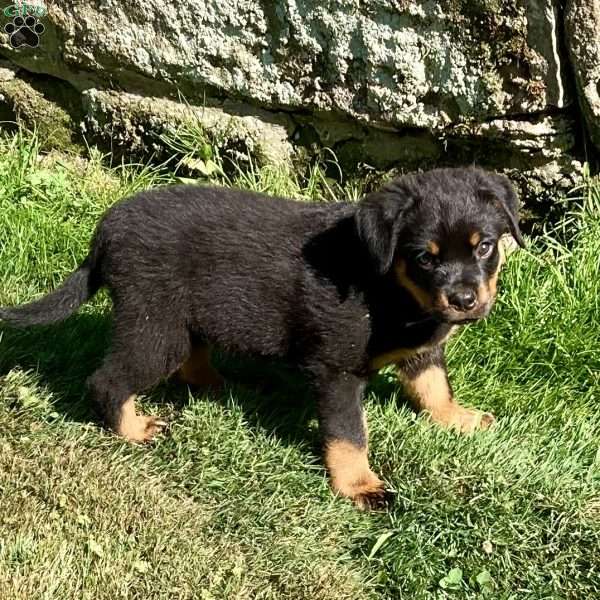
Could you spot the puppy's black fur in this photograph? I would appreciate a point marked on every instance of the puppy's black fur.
(338, 289)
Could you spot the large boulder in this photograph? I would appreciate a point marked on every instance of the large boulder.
(389, 83)
(401, 64)
(582, 24)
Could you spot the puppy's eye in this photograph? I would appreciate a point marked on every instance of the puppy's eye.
(425, 260)
(484, 249)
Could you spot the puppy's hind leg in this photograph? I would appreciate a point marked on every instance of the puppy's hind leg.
(118, 410)
(141, 359)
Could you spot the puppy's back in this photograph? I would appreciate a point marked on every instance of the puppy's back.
(230, 259)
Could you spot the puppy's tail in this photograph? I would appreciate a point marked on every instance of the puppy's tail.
(79, 287)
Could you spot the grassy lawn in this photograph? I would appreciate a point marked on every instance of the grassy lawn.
(234, 501)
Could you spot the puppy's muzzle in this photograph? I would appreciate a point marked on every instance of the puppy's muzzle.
(462, 304)
(463, 299)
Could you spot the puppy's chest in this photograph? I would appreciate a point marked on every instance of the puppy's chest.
(404, 342)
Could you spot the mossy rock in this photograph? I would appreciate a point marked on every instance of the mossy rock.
(48, 105)
(142, 125)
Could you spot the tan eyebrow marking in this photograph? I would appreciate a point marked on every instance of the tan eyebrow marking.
(475, 238)
(433, 248)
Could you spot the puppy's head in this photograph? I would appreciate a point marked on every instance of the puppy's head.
(438, 234)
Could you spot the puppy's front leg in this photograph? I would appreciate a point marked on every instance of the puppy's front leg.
(426, 381)
(344, 431)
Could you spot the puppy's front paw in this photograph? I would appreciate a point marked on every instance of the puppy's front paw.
(465, 420)
(373, 497)
(352, 477)
(367, 492)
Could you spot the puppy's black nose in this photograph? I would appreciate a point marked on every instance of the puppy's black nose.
(463, 299)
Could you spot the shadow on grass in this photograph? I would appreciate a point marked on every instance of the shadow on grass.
(274, 397)
(384, 386)
(63, 355)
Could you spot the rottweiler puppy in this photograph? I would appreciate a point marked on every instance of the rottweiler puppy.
(340, 290)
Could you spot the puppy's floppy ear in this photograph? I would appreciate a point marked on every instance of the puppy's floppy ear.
(499, 190)
(378, 222)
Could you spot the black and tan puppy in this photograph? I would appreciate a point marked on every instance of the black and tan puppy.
(340, 290)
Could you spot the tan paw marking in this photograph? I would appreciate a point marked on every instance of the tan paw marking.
(372, 495)
(352, 477)
(465, 420)
(138, 428)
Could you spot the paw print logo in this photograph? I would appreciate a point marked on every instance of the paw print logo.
(24, 32)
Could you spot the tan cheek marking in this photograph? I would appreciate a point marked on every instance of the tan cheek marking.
(475, 238)
(502, 253)
(418, 294)
(349, 469)
(493, 285)
(485, 293)
(442, 301)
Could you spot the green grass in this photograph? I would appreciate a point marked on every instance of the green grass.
(234, 502)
